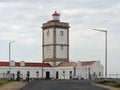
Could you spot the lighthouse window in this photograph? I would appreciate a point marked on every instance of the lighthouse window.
(61, 33)
(48, 33)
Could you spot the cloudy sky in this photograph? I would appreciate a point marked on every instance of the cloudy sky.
(21, 21)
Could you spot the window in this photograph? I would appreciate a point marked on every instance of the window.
(70, 74)
(28, 73)
(18, 75)
(8, 72)
(63, 74)
(37, 74)
(99, 73)
(61, 47)
(61, 33)
(48, 33)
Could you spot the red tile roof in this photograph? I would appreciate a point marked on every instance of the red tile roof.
(37, 65)
(67, 64)
(4, 63)
(27, 64)
(33, 64)
(87, 63)
(17, 64)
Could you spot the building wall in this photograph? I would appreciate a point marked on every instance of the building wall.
(63, 72)
(55, 44)
(61, 36)
(95, 71)
(23, 71)
(48, 36)
(61, 51)
(82, 72)
(48, 51)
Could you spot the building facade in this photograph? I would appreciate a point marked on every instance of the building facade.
(55, 40)
(65, 70)
(56, 65)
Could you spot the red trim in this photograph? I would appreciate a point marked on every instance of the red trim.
(17, 64)
(67, 64)
(55, 14)
(28, 64)
(86, 63)
(4, 63)
(37, 65)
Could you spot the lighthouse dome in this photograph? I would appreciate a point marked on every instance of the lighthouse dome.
(55, 16)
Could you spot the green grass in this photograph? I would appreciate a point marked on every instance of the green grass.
(111, 83)
(4, 81)
(114, 85)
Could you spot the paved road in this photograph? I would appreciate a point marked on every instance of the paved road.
(62, 85)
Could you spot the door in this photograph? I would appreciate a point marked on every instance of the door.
(57, 75)
(47, 75)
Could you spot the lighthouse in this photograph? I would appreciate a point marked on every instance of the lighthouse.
(55, 40)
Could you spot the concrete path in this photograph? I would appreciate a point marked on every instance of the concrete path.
(12, 85)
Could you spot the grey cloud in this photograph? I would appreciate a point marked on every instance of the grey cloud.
(22, 20)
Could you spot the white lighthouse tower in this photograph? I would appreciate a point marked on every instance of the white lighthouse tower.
(55, 43)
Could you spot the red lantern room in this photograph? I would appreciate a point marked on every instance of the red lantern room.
(55, 17)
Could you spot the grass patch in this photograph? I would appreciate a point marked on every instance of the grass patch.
(4, 81)
(110, 83)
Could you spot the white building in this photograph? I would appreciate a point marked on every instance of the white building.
(66, 70)
(55, 45)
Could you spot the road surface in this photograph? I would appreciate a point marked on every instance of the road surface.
(62, 85)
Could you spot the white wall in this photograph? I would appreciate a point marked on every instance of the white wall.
(61, 53)
(82, 72)
(52, 70)
(48, 39)
(61, 39)
(48, 53)
(97, 68)
(23, 71)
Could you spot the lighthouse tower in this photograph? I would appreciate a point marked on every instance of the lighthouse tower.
(55, 43)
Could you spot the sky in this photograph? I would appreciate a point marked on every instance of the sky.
(21, 22)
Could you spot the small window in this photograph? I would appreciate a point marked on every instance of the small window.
(8, 72)
(37, 74)
(70, 74)
(61, 47)
(48, 33)
(64, 74)
(99, 73)
(61, 33)
(28, 73)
